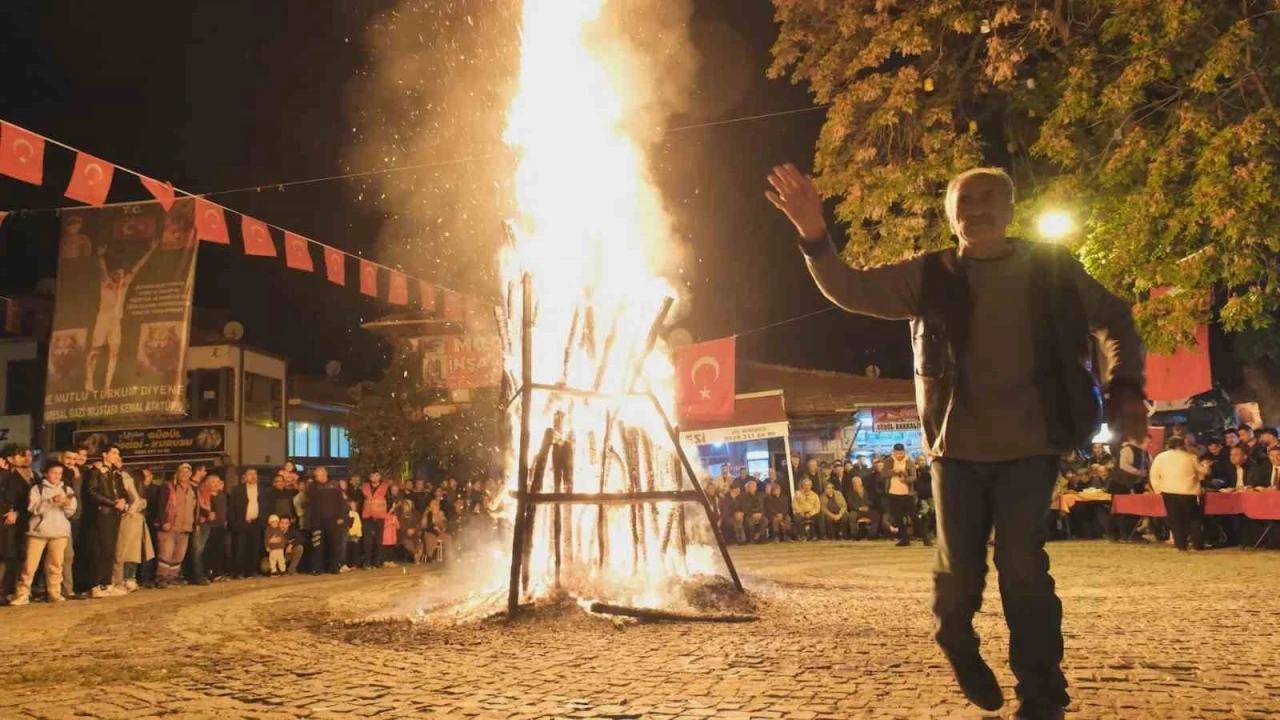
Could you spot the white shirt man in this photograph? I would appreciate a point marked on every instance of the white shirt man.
(1176, 472)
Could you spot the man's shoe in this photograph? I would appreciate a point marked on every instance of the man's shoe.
(1039, 711)
(978, 683)
(903, 543)
(17, 600)
(928, 542)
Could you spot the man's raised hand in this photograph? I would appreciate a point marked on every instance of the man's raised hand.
(794, 194)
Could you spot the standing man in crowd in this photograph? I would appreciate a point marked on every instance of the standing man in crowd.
(374, 514)
(327, 514)
(1175, 475)
(247, 522)
(1000, 331)
(900, 496)
(1127, 476)
(105, 494)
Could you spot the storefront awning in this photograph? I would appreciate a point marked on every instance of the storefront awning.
(756, 416)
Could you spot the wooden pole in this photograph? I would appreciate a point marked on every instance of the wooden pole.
(522, 472)
(697, 486)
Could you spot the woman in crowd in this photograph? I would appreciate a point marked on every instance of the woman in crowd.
(133, 542)
(212, 501)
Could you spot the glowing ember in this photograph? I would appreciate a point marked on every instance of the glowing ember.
(592, 236)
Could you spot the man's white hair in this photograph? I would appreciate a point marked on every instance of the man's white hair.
(953, 187)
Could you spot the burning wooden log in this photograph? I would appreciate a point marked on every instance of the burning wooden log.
(653, 615)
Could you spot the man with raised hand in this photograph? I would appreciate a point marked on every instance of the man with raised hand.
(1000, 331)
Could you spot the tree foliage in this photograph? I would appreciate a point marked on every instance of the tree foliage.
(1153, 121)
(390, 429)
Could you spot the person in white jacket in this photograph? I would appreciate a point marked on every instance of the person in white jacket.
(1175, 474)
(51, 505)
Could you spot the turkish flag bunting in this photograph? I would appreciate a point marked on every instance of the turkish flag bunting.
(161, 191)
(427, 295)
(705, 380)
(211, 223)
(21, 154)
(90, 180)
(453, 305)
(297, 252)
(398, 290)
(335, 266)
(257, 238)
(368, 278)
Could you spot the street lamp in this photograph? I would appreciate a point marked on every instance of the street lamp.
(1055, 224)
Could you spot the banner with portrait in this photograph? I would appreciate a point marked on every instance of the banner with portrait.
(123, 312)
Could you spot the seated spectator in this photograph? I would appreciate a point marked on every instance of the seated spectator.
(435, 532)
(865, 519)
(48, 531)
(748, 514)
(295, 545)
(729, 512)
(777, 513)
(805, 509)
(833, 523)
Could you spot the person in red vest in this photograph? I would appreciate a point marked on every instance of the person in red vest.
(373, 516)
(1001, 336)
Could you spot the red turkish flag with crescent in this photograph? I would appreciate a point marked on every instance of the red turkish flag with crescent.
(297, 254)
(211, 223)
(427, 295)
(21, 154)
(90, 180)
(335, 266)
(705, 380)
(161, 191)
(257, 238)
(398, 290)
(368, 278)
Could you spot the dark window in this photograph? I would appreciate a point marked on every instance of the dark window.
(25, 383)
(210, 394)
(263, 400)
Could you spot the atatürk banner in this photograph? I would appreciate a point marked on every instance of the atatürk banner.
(123, 314)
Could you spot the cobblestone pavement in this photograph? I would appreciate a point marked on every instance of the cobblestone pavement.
(844, 633)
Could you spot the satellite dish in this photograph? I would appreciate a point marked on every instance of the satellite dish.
(332, 368)
(233, 331)
(873, 371)
(679, 338)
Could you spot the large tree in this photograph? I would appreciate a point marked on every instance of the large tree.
(399, 421)
(1153, 122)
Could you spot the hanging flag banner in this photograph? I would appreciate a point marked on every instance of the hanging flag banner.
(21, 154)
(398, 290)
(123, 313)
(90, 180)
(296, 253)
(705, 380)
(257, 239)
(368, 278)
(211, 223)
(161, 191)
(335, 266)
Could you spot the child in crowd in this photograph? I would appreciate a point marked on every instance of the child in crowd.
(49, 530)
(390, 536)
(355, 530)
(295, 544)
(274, 542)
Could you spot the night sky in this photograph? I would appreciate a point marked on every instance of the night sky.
(215, 96)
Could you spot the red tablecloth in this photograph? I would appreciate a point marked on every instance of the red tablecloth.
(1220, 503)
(1146, 505)
(1262, 505)
(1255, 505)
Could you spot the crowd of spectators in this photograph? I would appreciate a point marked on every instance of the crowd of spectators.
(104, 531)
(1183, 471)
(858, 499)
